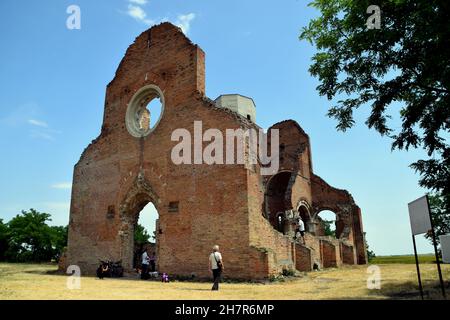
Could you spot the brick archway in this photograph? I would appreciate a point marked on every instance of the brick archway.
(139, 195)
(329, 215)
(277, 196)
(343, 222)
(304, 211)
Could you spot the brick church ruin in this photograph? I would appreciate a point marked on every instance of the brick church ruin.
(251, 216)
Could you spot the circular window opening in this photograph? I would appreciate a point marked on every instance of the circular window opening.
(144, 111)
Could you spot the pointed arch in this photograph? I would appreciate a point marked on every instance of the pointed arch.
(137, 197)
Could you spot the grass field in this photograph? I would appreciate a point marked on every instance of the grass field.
(28, 281)
(404, 259)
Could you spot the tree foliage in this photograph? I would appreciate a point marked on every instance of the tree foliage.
(4, 239)
(30, 239)
(370, 253)
(329, 227)
(141, 235)
(403, 65)
(440, 214)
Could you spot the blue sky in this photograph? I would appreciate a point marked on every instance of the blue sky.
(53, 81)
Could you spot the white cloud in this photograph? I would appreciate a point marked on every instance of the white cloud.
(38, 123)
(19, 115)
(139, 14)
(62, 185)
(41, 135)
(136, 11)
(184, 21)
(139, 2)
(26, 118)
(59, 211)
(41, 130)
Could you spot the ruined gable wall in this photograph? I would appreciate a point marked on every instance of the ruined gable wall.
(212, 199)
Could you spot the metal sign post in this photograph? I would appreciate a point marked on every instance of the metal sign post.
(417, 266)
(422, 222)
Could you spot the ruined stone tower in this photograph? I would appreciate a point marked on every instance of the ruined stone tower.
(129, 165)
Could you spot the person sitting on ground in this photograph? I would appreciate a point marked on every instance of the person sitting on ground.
(102, 270)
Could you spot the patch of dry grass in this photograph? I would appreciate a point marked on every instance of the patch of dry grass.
(399, 281)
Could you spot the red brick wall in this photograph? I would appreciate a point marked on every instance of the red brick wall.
(294, 144)
(314, 244)
(262, 235)
(301, 190)
(348, 254)
(329, 254)
(303, 258)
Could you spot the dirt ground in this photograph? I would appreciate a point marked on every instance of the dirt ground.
(398, 281)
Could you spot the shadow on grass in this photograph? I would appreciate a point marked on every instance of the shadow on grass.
(45, 272)
(195, 289)
(409, 290)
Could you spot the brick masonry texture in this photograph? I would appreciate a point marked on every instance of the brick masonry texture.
(233, 206)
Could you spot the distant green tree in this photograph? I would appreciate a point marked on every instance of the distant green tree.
(370, 253)
(141, 238)
(32, 240)
(141, 235)
(59, 236)
(4, 239)
(440, 214)
(329, 228)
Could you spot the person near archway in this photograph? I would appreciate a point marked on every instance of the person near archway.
(300, 229)
(152, 260)
(145, 263)
(216, 266)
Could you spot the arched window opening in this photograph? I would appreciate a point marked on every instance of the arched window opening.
(146, 237)
(326, 224)
(144, 111)
(304, 214)
(275, 197)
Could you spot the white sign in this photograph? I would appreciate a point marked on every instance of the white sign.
(419, 216)
(445, 248)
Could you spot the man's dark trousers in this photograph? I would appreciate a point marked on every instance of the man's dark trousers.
(216, 274)
(144, 272)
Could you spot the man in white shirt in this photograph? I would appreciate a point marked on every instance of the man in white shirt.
(216, 266)
(300, 229)
(145, 263)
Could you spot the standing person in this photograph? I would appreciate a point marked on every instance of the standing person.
(300, 229)
(145, 262)
(216, 266)
(153, 262)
